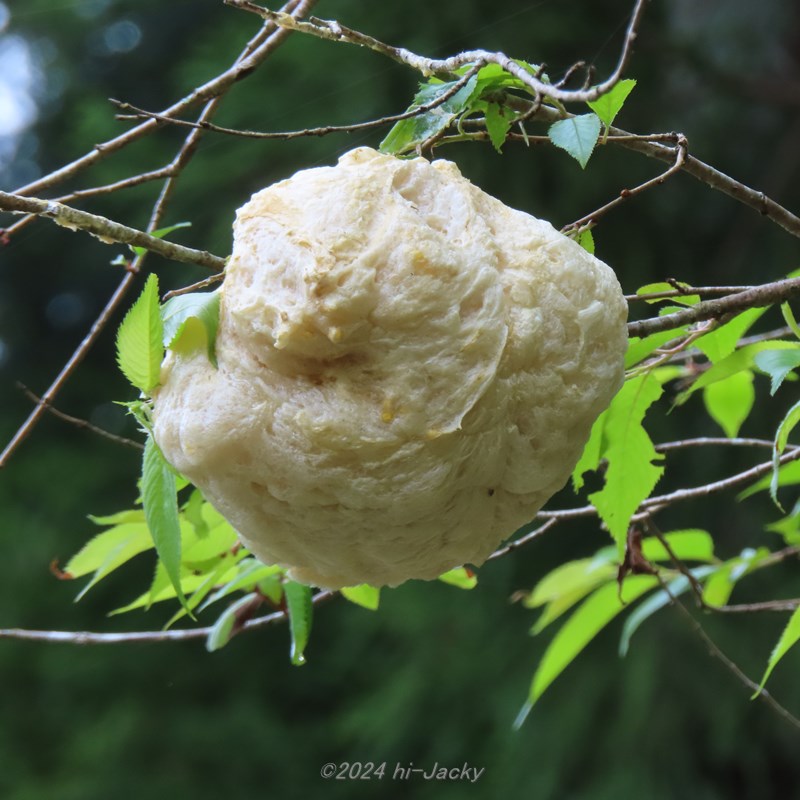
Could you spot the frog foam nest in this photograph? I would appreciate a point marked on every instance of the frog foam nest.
(407, 370)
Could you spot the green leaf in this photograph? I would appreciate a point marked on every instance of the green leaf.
(788, 475)
(160, 234)
(139, 347)
(590, 458)
(498, 124)
(632, 473)
(777, 364)
(586, 240)
(590, 618)
(730, 401)
(300, 609)
(160, 502)
(692, 544)
(742, 359)
(409, 133)
(249, 573)
(722, 341)
(161, 589)
(787, 425)
(577, 135)
(568, 584)
(718, 587)
(222, 571)
(658, 288)
(788, 315)
(222, 630)
(191, 322)
(640, 349)
(608, 105)
(461, 577)
(109, 550)
(789, 638)
(364, 595)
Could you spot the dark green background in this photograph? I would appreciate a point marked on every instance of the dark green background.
(437, 675)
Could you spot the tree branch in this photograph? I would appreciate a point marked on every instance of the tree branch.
(107, 230)
(758, 297)
(138, 113)
(336, 32)
(179, 635)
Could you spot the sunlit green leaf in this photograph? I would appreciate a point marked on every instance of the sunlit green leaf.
(742, 359)
(721, 342)
(587, 621)
(590, 458)
(788, 527)
(364, 595)
(632, 471)
(248, 574)
(161, 589)
(300, 609)
(717, 589)
(608, 105)
(160, 502)
(191, 322)
(586, 240)
(788, 315)
(640, 349)
(461, 577)
(659, 288)
(577, 135)
(788, 475)
(220, 573)
(730, 401)
(139, 347)
(108, 550)
(692, 544)
(567, 585)
(789, 637)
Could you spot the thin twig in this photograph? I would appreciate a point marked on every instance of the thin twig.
(626, 194)
(257, 49)
(67, 370)
(204, 284)
(138, 113)
(107, 230)
(705, 441)
(647, 507)
(267, 40)
(523, 540)
(732, 667)
(333, 30)
(686, 290)
(81, 423)
(90, 637)
(652, 148)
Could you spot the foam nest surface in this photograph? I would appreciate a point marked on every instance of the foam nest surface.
(407, 370)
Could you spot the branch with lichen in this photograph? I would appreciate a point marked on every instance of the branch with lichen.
(106, 230)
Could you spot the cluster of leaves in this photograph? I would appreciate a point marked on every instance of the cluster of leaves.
(593, 589)
(483, 95)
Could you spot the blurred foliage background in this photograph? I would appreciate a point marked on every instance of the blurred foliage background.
(437, 675)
